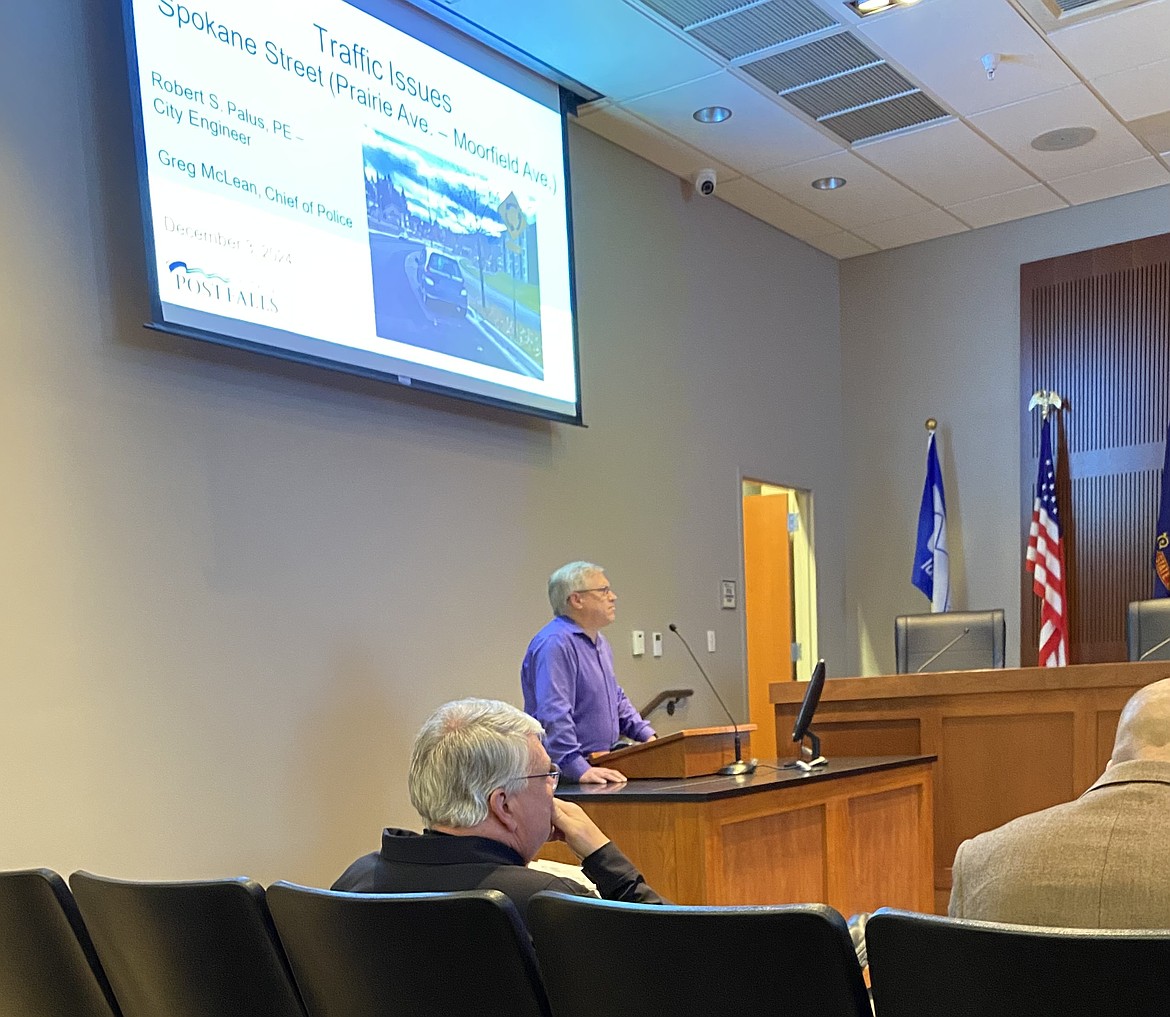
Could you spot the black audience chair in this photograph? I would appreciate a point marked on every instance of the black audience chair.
(402, 955)
(48, 966)
(197, 949)
(608, 958)
(926, 964)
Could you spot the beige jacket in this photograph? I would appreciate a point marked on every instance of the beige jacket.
(1100, 862)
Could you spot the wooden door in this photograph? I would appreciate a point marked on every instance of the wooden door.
(767, 599)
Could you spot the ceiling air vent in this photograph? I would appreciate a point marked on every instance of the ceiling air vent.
(1051, 15)
(846, 87)
(735, 29)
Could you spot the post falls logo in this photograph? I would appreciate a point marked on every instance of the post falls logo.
(198, 281)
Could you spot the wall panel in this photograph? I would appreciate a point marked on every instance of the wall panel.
(1095, 327)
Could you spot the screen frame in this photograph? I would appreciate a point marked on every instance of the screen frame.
(396, 377)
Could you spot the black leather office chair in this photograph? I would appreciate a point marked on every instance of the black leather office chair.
(1147, 629)
(461, 954)
(949, 641)
(926, 964)
(48, 966)
(603, 957)
(199, 949)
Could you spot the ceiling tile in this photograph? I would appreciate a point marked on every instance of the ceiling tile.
(998, 208)
(941, 44)
(1138, 91)
(1111, 73)
(604, 44)
(760, 132)
(946, 163)
(1135, 35)
(635, 135)
(1155, 131)
(757, 200)
(1014, 127)
(1105, 183)
(842, 245)
(869, 195)
(911, 229)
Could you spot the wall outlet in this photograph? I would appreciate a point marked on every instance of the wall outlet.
(656, 642)
(710, 640)
(638, 642)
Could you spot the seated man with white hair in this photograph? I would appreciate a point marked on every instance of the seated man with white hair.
(483, 784)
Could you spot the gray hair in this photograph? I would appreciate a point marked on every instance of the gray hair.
(566, 580)
(464, 751)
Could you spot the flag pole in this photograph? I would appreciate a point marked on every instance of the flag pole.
(932, 570)
(1047, 399)
(1044, 557)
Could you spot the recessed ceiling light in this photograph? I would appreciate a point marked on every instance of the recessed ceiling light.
(712, 114)
(1063, 138)
(867, 7)
(829, 183)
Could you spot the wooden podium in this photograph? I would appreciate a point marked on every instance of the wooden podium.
(855, 834)
(1008, 741)
(696, 752)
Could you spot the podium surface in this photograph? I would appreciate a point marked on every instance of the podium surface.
(855, 834)
(695, 752)
(1008, 741)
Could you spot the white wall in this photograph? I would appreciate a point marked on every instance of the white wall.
(231, 588)
(933, 330)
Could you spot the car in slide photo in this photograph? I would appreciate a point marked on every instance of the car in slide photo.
(440, 281)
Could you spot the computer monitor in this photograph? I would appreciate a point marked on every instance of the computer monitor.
(810, 755)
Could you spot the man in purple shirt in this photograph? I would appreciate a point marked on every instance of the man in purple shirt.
(568, 680)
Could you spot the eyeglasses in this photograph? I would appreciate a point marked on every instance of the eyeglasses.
(554, 773)
(605, 591)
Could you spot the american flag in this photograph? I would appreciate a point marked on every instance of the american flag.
(1045, 559)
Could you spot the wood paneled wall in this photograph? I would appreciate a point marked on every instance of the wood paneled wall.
(1095, 326)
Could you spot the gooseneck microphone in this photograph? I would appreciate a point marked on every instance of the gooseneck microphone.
(741, 765)
(934, 656)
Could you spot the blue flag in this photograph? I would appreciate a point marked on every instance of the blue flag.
(1162, 533)
(932, 570)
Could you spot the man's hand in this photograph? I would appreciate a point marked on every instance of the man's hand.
(601, 775)
(576, 829)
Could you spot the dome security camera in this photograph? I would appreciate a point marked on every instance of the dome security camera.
(705, 182)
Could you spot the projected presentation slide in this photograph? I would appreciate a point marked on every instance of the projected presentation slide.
(333, 187)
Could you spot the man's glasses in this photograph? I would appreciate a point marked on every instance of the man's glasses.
(554, 773)
(605, 591)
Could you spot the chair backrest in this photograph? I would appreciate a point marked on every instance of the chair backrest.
(956, 640)
(927, 964)
(198, 949)
(605, 957)
(1147, 624)
(48, 966)
(459, 953)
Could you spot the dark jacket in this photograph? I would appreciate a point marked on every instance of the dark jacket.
(430, 862)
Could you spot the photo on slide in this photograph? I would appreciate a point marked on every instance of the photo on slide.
(454, 261)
